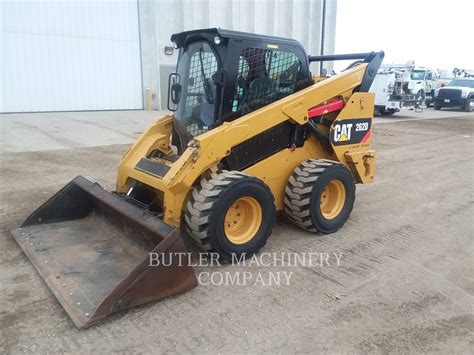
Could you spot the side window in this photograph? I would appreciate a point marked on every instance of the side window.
(264, 76)
(242, 76)
(200, 91)
(429, 76)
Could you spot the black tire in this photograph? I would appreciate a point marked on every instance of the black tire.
(305, 189)
(389, 112)
(431, 101)
(421, 98)
(436, 106)
(421, 95)
(467, 106)
(209, 203)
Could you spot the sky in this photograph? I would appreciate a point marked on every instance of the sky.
(436, 33)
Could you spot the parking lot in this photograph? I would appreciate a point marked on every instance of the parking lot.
(404, 282)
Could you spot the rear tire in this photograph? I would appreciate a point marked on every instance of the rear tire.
(231, 213)
(436, 107)
(387, 112)
(320, 195)
(431, 101)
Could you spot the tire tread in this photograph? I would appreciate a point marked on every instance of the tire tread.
(298, 191)
(201, 203)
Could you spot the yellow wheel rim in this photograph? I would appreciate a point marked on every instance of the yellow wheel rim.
(243, 220)
(332, 199)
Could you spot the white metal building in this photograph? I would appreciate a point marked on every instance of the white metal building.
(70, 55)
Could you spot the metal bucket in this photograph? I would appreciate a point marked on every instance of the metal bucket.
(92, 249)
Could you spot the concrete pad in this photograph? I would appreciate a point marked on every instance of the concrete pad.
(25, 132)
(62, 130)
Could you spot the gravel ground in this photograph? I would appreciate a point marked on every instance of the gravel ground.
(404, 283)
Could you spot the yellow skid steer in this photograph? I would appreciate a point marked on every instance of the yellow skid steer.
(250, 134)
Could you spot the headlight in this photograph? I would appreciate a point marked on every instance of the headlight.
(464, 93)
(436, 92)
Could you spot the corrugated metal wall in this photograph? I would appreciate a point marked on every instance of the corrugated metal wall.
(85, 55)
(70, 55)
(299, 19)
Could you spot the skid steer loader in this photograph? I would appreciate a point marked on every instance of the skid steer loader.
(250, 134)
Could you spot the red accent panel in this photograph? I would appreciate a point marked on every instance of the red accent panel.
(330, 106)
(366, 137)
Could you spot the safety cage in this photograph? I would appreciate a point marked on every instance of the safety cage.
(255, 71)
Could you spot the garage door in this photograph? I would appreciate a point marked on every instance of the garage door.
(69, 56)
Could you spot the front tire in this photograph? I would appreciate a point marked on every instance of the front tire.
(467, 106)
(436, 107)
(420, 95)
(231, 213)
(320, 195)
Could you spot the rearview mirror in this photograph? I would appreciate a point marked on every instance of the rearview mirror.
(174, 91)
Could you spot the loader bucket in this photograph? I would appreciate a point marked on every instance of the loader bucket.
(92, 249)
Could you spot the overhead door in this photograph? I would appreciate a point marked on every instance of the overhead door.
(70, 55)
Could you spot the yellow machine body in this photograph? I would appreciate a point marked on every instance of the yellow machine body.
(208, 149)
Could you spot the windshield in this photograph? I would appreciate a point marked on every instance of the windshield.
(461, 82)
(196, 67)
(417, 75)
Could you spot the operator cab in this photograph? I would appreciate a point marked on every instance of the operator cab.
(222, 75)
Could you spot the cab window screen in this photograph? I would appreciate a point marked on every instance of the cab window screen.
(196, 68)
(264, 76)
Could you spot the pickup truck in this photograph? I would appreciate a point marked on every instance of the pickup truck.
(458, 93)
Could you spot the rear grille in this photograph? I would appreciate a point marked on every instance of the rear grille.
(452, 94)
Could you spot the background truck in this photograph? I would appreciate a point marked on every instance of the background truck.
(423, 84)
(394, 89)
(398, 86)
(458, 93)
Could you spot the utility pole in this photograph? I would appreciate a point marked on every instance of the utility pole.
(323, 35)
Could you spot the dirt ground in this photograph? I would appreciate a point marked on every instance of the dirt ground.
(404, 283)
